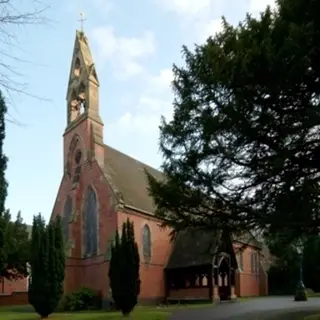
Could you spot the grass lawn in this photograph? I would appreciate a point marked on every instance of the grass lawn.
(140, 313)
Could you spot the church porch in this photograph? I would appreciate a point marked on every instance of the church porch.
(201, 267)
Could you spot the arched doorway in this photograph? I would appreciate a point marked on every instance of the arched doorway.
(224, 277)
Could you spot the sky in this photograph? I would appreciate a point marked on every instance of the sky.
(134, 45)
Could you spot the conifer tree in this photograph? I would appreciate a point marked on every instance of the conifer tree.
(39, 289)
(114, 267)
(60, 257)
(244, 137)
(124, 270)
(3, 182)
(47, 266)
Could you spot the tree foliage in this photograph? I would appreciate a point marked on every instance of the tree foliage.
(3, 181)
(124, 269)
(284, 273)
(242, 149)
(47, 266)
(16, 247)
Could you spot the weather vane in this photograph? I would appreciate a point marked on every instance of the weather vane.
(82, 19)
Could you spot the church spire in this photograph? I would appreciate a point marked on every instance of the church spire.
(83, 88)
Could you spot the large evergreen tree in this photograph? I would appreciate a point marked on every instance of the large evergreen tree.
(3, 182)
(13, 234)
(244, 138)
(47, 266)
(124, 270)
(60, 257)
(16, 247)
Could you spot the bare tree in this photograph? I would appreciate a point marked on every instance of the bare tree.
(14, 16)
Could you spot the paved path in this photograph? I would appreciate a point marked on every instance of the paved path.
(252, 309)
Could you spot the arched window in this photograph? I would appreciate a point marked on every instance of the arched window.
(146, 242)
(90, 224)
(77, 67)
(77, 171)
(66, 217)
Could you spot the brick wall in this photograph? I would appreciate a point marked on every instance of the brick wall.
(93, 272)
(15, 298)
(248, 283)
(151, 273)
(7, 286)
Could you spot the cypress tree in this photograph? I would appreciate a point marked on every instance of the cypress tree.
(114, 267)
(3, 158)
(47, 266)
(124, 270)
(35, 266)
(60, 256)
(39, 290)
(3, 182)
(135, 258)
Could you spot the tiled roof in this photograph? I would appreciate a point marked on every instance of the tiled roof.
(129, 179)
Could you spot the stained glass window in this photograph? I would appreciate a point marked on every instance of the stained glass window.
(90, 224)
(146, 242)
(66, 217)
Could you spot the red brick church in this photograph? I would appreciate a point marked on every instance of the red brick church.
(102, 187)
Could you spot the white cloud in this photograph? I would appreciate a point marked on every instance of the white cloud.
(123, 53)
(187, 7)
(203, 18)
(154, 101)
(198, 19)
(205, 30)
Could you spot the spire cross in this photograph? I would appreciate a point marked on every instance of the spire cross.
(82, 19)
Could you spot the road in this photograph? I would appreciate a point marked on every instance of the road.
(253, 309)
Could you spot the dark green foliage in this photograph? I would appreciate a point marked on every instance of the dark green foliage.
(3, 158)
(284, 273)
(82, 299)
(16, 247)
(59, 261)
(311, 263)
(3, 181)
(116, 264)
(124, 269)
(13, 234)
(244, 138)
(47, 266)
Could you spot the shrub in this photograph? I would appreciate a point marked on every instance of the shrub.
(82, 299)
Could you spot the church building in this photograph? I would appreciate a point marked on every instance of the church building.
(101, 187)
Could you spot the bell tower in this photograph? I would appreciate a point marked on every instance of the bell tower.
(83, 117)
(83, 87)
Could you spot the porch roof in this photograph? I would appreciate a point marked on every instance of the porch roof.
(194, 247)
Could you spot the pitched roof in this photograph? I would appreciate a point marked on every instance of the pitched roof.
(197, 247)
(129, 179)
(193, 247)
